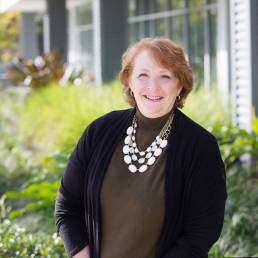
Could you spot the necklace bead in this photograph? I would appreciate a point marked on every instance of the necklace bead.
(141, 160)
(157, 152)
(134, 157)
(148, 155)
(163, 143)
(127, 159)
(143, 168)
(151, 160)
(129, 130)
(126, 149)
(127, 139)
(132, 168)
(146, 158)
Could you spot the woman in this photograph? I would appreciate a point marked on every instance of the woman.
(147, 181)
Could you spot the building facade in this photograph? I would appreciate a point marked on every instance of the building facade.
(219, 37)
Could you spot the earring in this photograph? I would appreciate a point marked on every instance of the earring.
(131, 92)
(178, 97)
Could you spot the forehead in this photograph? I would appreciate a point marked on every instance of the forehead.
(146, 59)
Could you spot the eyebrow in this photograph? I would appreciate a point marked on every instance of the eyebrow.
(143, 69)
(161, 71)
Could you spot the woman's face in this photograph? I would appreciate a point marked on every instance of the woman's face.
(155, 88)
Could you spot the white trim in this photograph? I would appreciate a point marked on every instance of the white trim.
(75, 3)
(23, 5)
(46, 34)
(167, 14)
(238, 71)
(34, 5)
(5, 5)
(72, 53)
(223, 37)
(97, 42)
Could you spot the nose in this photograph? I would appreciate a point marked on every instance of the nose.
(153, 85)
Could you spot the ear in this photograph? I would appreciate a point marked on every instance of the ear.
(179, 90)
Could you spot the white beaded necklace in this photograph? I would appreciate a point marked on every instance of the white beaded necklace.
(145, 158)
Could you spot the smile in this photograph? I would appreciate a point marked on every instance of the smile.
(153, 98)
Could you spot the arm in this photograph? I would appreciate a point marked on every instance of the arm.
(204, 212)
(69, 207)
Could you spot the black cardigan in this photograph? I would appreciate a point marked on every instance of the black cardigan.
(195, 188)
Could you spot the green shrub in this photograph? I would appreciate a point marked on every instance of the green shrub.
(240, 233)
(15, 241)
(38, 131)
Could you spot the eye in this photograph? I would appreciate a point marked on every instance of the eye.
(142, 75)
(165, 76)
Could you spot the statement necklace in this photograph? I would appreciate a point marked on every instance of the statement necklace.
(140, 160)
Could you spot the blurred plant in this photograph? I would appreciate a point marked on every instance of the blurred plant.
(240, 233)
(16, 241)
(76, 76)
(64, 114)
(38, 72)
(208, 107)
(48, 69)
(38, 195)
(9, 35)
(42, 143)
(213, 113)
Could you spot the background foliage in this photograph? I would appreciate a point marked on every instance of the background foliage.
(9, 34)
(38, 131)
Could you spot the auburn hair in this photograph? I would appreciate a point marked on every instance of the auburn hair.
(167, 54)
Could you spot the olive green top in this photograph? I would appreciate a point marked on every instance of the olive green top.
(132, 204)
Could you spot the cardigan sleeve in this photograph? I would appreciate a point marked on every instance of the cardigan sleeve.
(204, 212)
(69, 207)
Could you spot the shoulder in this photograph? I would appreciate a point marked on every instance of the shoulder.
(109, 118)
(107, 122)
(99, 128)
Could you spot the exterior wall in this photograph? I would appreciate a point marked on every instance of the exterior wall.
(56, 10)
(254, 53)
(28, 36)
(113, 38)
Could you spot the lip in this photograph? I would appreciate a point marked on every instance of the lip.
(154, 99)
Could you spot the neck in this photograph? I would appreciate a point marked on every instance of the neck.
(151, 123)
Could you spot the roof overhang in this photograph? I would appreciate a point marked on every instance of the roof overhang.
(23, 5)
(34, 5)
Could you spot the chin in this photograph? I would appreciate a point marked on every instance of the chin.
(153, 114)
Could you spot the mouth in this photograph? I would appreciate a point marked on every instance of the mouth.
(153, 98)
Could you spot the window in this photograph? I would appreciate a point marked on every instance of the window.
(83, 36)
(196, 45)
(190, 23)
(84, 15)
(177, 4)
(160, 27)
(212, 16)
(177, 30)
(195, 3)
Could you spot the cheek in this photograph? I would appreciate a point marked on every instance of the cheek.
(137, 86)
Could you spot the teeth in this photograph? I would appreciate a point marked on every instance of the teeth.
(152, 97)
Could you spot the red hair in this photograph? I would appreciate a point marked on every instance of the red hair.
(167, 54)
